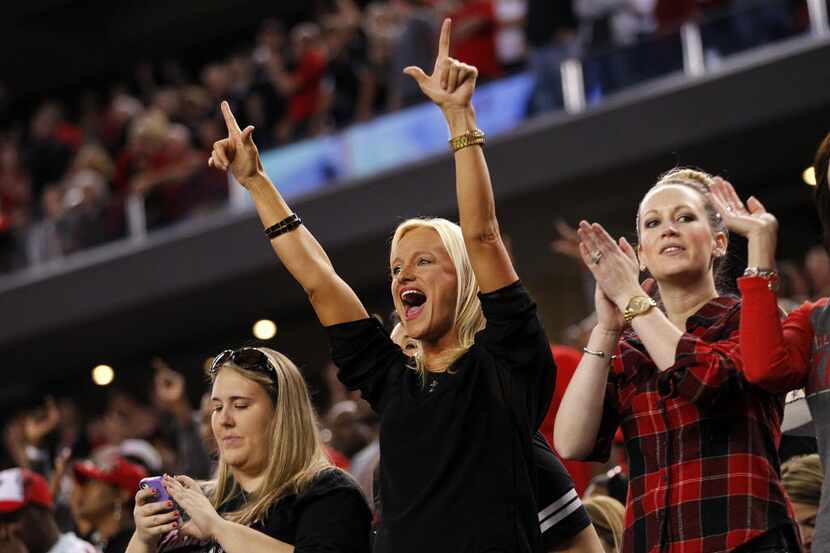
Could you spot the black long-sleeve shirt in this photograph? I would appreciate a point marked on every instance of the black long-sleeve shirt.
(457, 473)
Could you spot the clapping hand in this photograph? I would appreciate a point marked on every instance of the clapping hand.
(614, 266)
(745, 220)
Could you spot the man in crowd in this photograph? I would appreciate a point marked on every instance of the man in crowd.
(27, 522)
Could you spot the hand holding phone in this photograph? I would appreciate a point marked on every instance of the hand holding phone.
(154, 482)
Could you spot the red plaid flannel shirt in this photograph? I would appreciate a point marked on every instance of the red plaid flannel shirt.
(701, 441)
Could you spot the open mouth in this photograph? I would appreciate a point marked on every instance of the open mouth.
(413, 303)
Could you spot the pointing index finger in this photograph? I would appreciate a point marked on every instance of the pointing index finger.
(230, 120)
(444, 41)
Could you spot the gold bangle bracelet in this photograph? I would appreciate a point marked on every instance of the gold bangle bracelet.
(469, 138)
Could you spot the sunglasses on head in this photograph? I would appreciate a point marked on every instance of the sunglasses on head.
(250, 359)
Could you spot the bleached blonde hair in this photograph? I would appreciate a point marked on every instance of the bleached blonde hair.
(296, 454)
(468, 317)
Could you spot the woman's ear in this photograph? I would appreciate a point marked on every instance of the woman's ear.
(721, 245)
(639, 251)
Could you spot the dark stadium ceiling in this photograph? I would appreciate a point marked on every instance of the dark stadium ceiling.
(52, 45)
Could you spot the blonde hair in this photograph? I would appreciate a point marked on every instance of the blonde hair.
(296, 453)
(468, 318)
(699, 181)
(802, 477)
(608, 517)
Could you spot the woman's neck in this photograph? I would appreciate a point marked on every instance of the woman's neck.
(249, 481)
(681, 301)
(435, 353)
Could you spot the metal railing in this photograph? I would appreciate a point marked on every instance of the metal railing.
(573, 95)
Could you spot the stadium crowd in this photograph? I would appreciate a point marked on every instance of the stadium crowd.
(470, 394)
(67, 169)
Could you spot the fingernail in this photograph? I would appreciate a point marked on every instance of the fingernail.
(169, 503)
(175, 524)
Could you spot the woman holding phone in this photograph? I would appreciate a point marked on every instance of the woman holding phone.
(456, 423)
(275, 490)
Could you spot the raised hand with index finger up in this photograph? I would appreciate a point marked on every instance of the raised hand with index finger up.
(237, 152)
(452, 82)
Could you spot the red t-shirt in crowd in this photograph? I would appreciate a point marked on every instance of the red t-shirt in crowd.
(306, 98)
(567, 359)
(339, 460)
(478, 47)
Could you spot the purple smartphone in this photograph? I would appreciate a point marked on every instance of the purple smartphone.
(154, 482)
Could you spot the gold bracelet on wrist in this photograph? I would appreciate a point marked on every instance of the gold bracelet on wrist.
(469, 138)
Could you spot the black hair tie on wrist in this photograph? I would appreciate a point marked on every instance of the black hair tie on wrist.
(286, 225)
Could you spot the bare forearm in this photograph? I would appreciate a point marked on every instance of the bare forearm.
(659, 336)
(236, 538)
(761, 249)
(298, 250)
(477, 210)
(305, 259)
(476, 206)
(580, 412)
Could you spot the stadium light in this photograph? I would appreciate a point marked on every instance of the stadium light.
(103, 375)
(265, 329)
(809, 175)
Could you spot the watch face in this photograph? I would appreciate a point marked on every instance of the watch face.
(640, 303)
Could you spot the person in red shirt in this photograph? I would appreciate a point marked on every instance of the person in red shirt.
(567, 359)
(475, 36)
(305, 83)
(701, 440)
(779, 357)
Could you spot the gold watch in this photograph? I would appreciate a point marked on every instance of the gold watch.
(638, 305)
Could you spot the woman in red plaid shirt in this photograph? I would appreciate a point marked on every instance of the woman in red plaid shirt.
(701, 441)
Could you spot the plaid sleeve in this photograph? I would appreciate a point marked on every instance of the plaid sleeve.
(704, 371)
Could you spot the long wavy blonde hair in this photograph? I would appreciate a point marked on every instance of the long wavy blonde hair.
(468, 318)
(296, 454)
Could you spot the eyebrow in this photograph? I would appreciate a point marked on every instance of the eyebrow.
(415, 253)
(676, 209)
(232, 398)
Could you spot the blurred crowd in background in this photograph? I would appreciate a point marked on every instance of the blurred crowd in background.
(67, 168)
